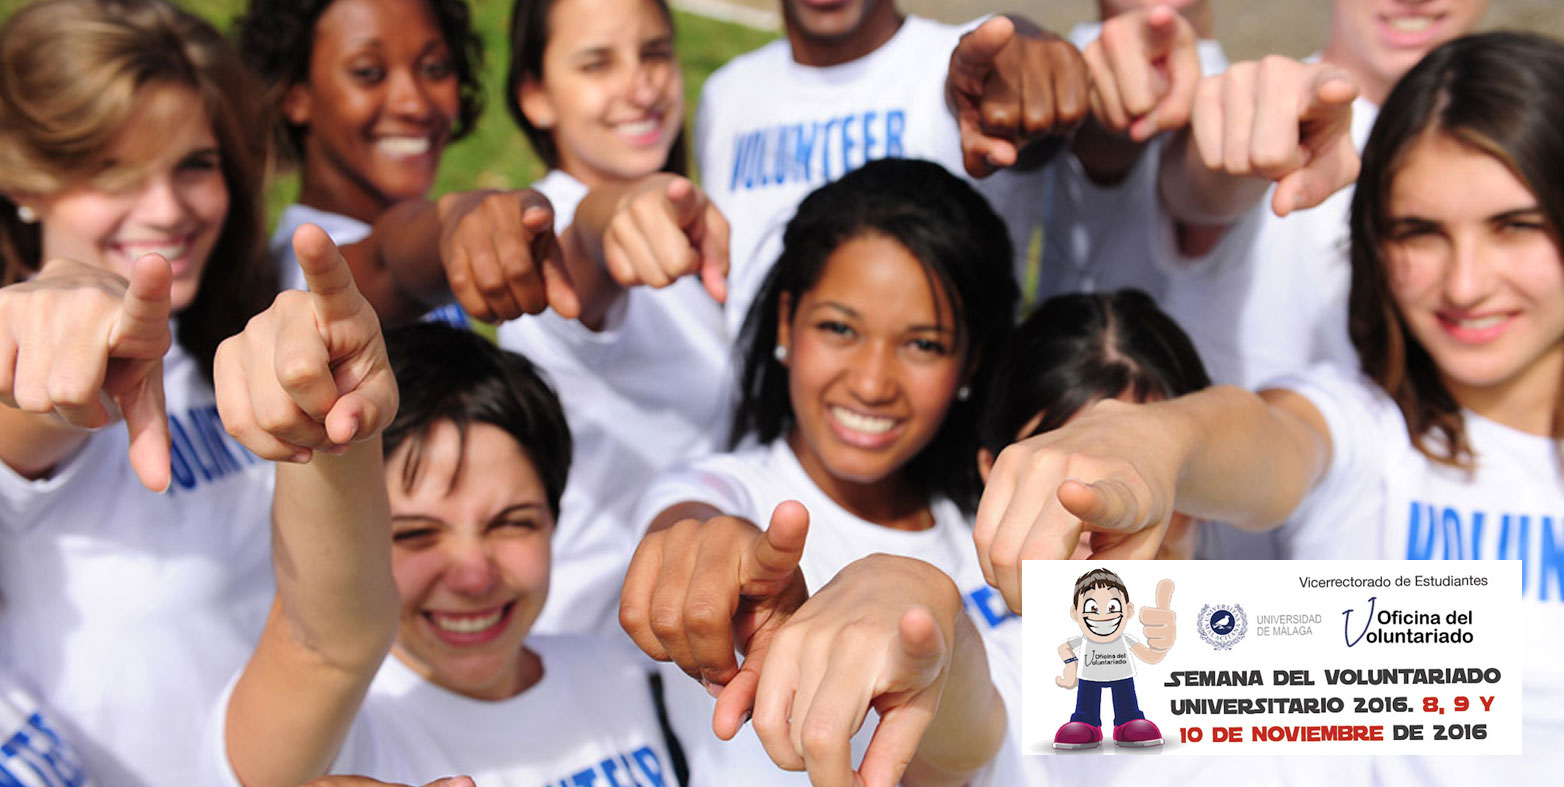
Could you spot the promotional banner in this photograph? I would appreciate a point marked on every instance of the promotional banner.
(1272, 657)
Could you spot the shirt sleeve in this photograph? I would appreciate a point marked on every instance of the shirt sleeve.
(1234, 248)
(25, 501)
(1362, 424)
(702, 482)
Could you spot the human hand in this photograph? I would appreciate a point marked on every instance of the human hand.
(1158, 620)
(1011, 83)
(1283, 121)
(501, 257)
(310, 373)
(1144, 72)
(880, 635)
(76, 335)
(664, 229)
(1178, 541)
(696, 589)
(1106, 470)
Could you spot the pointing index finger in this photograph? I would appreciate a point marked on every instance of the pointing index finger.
(776, 554)
(1161, 30)
(684, 202)
(975, 53)
(1330, 90)
(142, 328)
(329, 278)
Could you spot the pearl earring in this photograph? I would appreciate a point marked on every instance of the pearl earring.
(26, 214)
(963, 393)
(780, 353)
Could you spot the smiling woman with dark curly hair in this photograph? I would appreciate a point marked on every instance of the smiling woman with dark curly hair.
(367, 94)
(279, 38)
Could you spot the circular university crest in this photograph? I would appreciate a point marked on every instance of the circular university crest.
(1223, 625)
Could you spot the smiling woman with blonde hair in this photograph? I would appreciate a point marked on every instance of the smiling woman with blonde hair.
(131, 175)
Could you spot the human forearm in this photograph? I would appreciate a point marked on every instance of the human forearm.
(1242, 459)
(32, 444)
(1106, 158)
(1198, 196)
(331, 554)
(582, 244)
(397, 268)
(650, 232)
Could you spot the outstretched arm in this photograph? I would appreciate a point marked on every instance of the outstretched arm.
(651, 232)
(1272, 121)
(1222, 453)
(493, 251)
(307, 384)
(496, 252)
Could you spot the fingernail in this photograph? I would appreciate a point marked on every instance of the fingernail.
(337, 450)
(300, 458)
(743, 720)
(356, 424)
(713, 689)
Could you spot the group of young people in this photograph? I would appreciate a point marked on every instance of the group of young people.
(265, 515)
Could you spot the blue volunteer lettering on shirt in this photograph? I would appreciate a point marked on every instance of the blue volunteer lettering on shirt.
(988, 605)
(1436, 532)
(200, 451)
(35, 756)
(817, 151)
(639, 768)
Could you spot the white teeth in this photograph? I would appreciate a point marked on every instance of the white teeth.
(466, 625)
(638, 128)
(867, 424)
(1479, 323)
(404, 146)
(169, 252)
(1410, 24)
(1103, 628)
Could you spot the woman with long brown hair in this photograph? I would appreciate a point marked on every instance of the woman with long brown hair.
(1445, 446)
(132, 161)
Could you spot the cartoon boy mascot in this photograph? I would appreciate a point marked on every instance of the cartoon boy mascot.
(1100, 659)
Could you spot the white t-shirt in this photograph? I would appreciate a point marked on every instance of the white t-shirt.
(650, 389)
(342, 230)
(750, 483)
(589, 721)
(1382, 499)
(128, 610)
(1096, 237)
(33, 752)
(769, 131)
(1104, 661)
